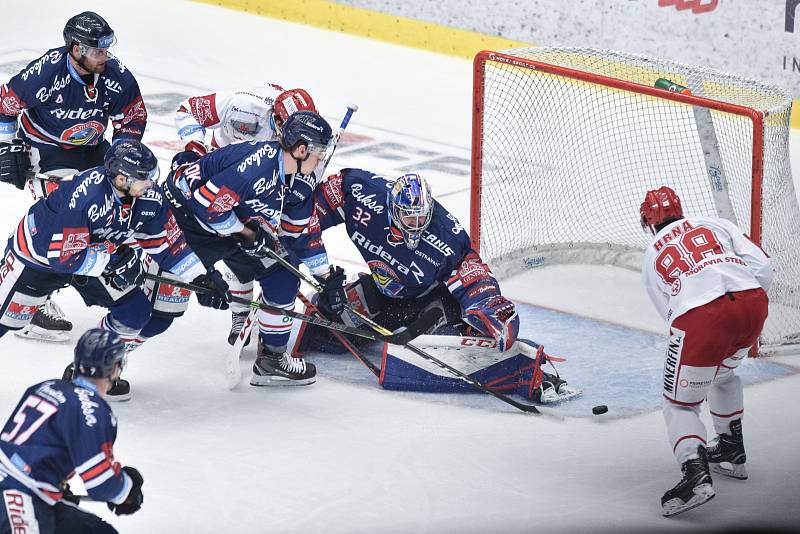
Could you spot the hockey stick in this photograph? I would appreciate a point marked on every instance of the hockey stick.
(529, 408)
(422, 324)
(334, 142)
(343, 340)
(233, 371)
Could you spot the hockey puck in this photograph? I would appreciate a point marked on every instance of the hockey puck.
(600, 409)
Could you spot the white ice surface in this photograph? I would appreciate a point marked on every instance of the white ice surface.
(341, 456)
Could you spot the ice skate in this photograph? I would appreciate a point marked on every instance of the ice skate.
(554, 389)
(693, 490)
(281, 369)
(48, 324)
(726, 453)
(119, 391)
(237, 323)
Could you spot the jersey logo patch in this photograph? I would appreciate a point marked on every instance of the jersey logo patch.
(10, 103)
(225, 200)
(75, 240)
(83, 134)
(385, 278)
(203, 109)
(472, 269)
(135, 111)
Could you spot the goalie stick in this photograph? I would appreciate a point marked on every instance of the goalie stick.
(422, 324)
(233, 372)
(343, 340)
(380, 330)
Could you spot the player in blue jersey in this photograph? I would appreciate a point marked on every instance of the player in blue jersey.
(83, 235)
(60, 429)
(208, 122)
(242, 199)
(419, 256)
(53, 118)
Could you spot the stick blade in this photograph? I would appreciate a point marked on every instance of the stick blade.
(428, 320)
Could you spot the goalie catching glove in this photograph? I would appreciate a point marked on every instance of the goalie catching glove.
(496, 317)
(14, 163)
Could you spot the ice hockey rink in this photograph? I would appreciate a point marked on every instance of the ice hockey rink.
(345, 456)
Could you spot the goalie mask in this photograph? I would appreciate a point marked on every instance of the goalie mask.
(660, 206)
(410, 208)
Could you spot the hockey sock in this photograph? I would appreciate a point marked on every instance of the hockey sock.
(684, 429)
(725, 401)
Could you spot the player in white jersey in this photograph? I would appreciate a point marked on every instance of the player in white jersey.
(709, 282)
(250, 114)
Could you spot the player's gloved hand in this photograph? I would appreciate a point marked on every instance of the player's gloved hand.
(14, 163)
(217, 296)
(133, 503)
(67, 495)
(496, 317)
(193, 151)
(264, 241)
(332, 298)
(124, 270)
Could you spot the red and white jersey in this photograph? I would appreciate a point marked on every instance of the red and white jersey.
(234, 116)
(695, 260)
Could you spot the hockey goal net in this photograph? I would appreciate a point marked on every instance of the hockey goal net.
(566, 142)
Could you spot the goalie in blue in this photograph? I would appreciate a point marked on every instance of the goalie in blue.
(419, 256)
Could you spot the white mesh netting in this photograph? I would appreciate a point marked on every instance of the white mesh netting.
(565, 164)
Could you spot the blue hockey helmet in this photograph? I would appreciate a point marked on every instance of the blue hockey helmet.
(411, 207)
(133, 160)
(97, 353)
(305, 127)
(88, 29)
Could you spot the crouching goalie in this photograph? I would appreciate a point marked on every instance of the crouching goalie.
(419, 257)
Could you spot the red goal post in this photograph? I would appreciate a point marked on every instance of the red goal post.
(566, 141)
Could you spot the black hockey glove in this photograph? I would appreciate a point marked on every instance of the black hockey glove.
(217, 296)
(14, 163)
(333, 297)
(264, 241)
(125, 270)
(67, 495)
(133, 503)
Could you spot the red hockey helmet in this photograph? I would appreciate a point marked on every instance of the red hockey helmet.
(291, 101)
(659, 206)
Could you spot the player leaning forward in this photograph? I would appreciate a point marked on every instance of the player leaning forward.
(82, 235)
(242, 115)
(235, 203)
(709, 281)
(63, 427)
(53, 119)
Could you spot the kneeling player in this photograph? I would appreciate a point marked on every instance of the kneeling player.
(709, 281)
(79, 235)
(60, 428)
(419, 257)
